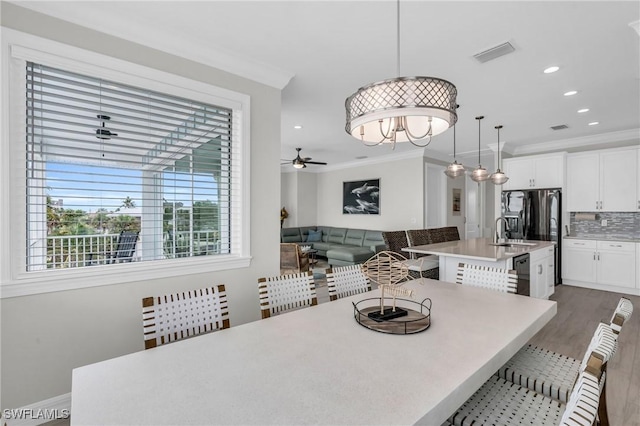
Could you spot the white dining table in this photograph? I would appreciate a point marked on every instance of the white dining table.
(317, 366)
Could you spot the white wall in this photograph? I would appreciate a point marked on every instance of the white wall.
(289, 198)
(299, 196)
(307, 199)
(401, 195)
(45, 336)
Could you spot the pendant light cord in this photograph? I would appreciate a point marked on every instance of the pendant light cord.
(479, 118)
(398, 38)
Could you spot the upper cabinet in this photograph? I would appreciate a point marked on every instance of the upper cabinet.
(535, 171)
(603, 181)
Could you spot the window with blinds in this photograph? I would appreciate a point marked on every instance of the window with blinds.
(120, 174)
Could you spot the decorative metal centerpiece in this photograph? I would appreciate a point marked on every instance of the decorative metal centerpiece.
(390, 314)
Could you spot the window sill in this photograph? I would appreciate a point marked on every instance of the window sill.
(32, 283)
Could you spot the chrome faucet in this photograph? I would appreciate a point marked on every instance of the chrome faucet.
(498, 239)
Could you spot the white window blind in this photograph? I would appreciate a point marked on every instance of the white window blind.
(108, 162)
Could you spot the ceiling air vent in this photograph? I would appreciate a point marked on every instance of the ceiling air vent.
(494, 52)
(559, 127)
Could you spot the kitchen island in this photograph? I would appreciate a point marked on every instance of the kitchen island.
(482, 251)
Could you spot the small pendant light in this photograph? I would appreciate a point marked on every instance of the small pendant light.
(498, 178)
(479, 174)
(454, 169)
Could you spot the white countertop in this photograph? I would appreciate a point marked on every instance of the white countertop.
(603, 237)
(478, 248)
(317, 366)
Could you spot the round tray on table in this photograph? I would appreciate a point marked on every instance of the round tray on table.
(416, 319)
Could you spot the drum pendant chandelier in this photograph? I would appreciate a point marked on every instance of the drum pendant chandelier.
(402, 109)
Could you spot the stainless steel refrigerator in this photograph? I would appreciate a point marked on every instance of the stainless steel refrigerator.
(535, 215)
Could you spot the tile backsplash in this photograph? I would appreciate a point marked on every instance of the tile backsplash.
(619, 225)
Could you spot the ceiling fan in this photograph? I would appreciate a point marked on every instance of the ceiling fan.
(301, 162)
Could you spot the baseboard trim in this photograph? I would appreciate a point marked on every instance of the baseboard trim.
(51, 409)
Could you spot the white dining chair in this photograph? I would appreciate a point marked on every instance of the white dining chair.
(551, 373)
(177, 316)
(487, 277)
(344, 281)
(285, 293)
(502, 402)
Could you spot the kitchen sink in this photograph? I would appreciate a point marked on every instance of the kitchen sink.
(512, 244)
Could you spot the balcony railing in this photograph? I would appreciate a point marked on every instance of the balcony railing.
(76, 251)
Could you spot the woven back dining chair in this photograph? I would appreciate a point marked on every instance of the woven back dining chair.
(621, 314)
(499, 401)
(285, 293)
(344, 281)
(292, 259)
(487, 277)
(177, 316)
(429, 264)
(552, 374)
(422, 267)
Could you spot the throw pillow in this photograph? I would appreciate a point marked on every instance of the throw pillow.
(314, 236)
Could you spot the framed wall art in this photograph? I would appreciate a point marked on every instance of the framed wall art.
(361, 197)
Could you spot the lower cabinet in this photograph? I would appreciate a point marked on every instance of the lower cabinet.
(605, 265)
(542, 273)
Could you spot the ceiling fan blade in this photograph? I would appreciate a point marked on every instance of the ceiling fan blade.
(316, 162)
(306, 159)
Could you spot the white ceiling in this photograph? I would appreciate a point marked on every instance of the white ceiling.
(327, 50)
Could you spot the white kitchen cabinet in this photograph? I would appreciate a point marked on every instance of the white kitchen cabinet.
(616, 264)
(604, 180)
(535, 171)
(605, 265)
(542, 273)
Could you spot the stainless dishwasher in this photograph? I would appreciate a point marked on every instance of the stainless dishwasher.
(521, 266)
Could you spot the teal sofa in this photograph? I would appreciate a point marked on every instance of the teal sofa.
(341, 246)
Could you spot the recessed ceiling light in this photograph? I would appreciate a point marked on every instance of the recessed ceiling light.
(571, 93)
(551, 69)
(580, 111)
(297, 126)
(593, 123)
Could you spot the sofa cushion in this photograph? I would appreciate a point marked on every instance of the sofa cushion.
(314, 236)
(290, 235)
(337, 235)
(354, 254)
(325, 232)
(322, 247)
(304, 231)
(354, 237)
(373, 240)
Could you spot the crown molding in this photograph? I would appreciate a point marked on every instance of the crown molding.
(583, 143)
(129, 30)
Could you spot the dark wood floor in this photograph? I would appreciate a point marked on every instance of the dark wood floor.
(569, 332)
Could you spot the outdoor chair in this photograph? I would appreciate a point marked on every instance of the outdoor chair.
(286, 293)
(487, 277)
(430, 263)
(395, 241)
(292, 259)
(125, 247)
(344, 281)
(177, 316)
(499, 401)
(551, 373)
